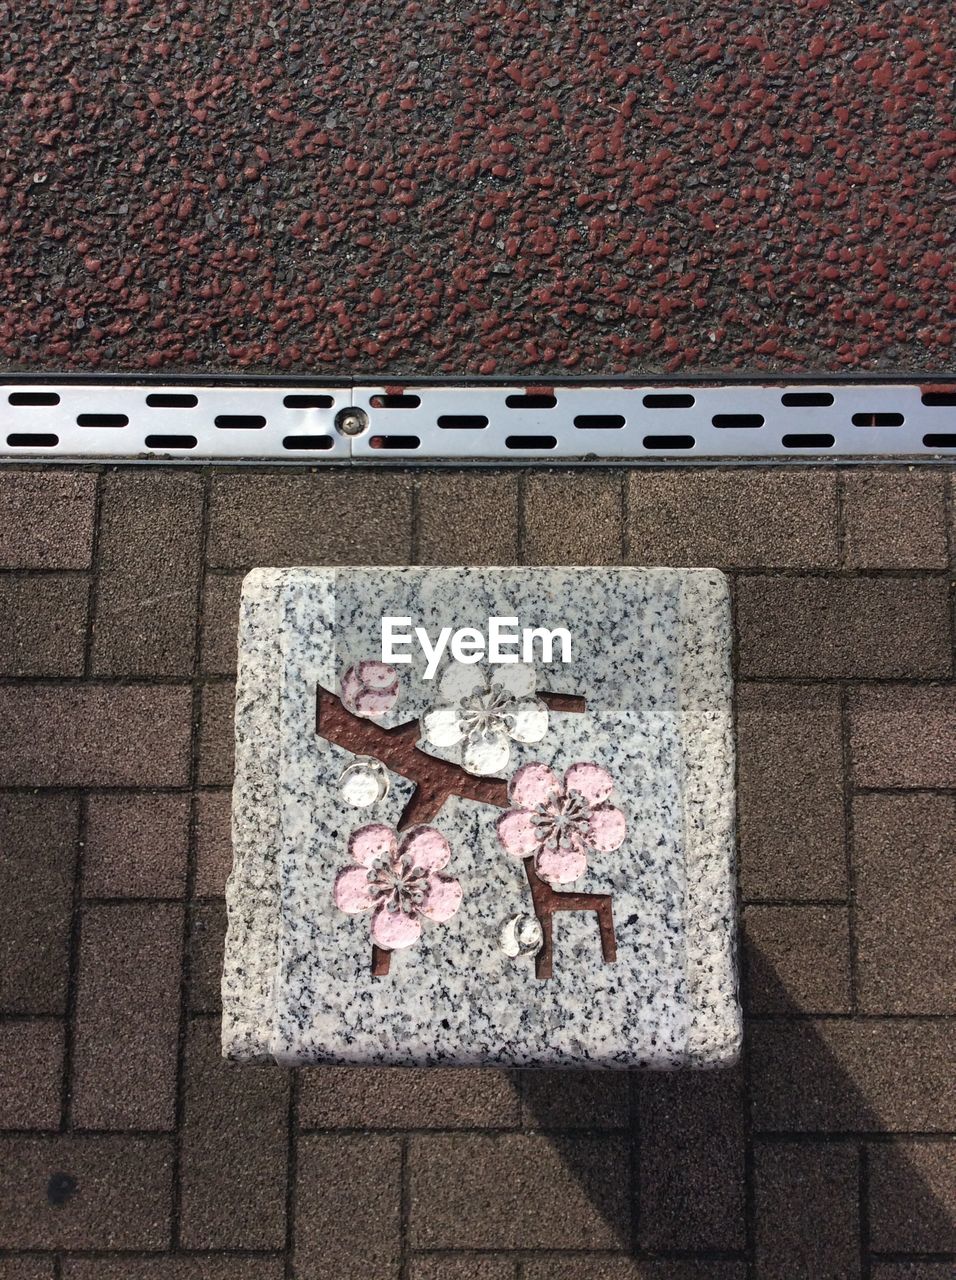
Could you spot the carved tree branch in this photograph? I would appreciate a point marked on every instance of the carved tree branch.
(437, 781)
(547, 901)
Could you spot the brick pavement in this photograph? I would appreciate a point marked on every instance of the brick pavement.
(129, 1150)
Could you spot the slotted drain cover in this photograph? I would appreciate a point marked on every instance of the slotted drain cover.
(436, 423)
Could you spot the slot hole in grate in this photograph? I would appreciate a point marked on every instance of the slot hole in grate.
(462, 421)
(171, 400)
(396, 401)
(307, 442)
(735, 421)
(939, 399)
(171, 442)
(394, 442)
(668, 400)
(241, 421)
(531, 442)
(102, 420)
(806, 399)
(33, 397)
(669, 442)
(531, 400)
(32, 439)
(308, 402)
(599, 421)
(877, 419)
(808, 440)
(940, 440)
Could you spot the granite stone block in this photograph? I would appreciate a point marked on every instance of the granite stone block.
(653, 733)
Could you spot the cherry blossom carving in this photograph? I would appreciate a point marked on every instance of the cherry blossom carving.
(436, 780)
(398, 880)
(483, 711)
(558, 822)
(370, 689)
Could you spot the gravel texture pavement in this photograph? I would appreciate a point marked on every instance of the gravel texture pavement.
(475, 188)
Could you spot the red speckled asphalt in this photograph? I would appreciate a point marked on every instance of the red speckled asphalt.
(483, 189)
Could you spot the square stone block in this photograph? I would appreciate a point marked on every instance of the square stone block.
(482, 860)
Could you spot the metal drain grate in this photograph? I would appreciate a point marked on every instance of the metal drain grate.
(434, 423)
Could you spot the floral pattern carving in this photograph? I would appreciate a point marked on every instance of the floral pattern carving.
(397, 879)
(483, 711)
(558, 822)
(370, 689)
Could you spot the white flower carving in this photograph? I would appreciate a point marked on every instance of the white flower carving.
(484, 710)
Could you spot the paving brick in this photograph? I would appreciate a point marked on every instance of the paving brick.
(575, 1099)
(813, 627)
(348, 1207)
(798, 959)
(894, 519)
(233, 1149)
(207, 935)
(111, 736)
(450, 1266)
(912, 1271)
(499, 1192)
(127, 1017)
(46, 519)
(467, 518)
(912, 1195)
(852, 1076)
(38, 842)
(326, 518)
(790, 792)
(739, 518)
(149, 563)
(213, 842)
(217, 735)
(572, 518)
(408, 1097)
(904, 855)
(102, 1192)
(807, 1214)
(691, 1169)
(26, 1266)
(136, 845)
(197, 1267)
(43, 624)
(31, 1070)
(903, 736)
(555, 1267)
(220, 623)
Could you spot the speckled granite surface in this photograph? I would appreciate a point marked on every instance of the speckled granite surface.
(651, 654)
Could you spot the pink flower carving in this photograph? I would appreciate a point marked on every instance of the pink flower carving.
(370, 689)
(397, 879)
(561, 822)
